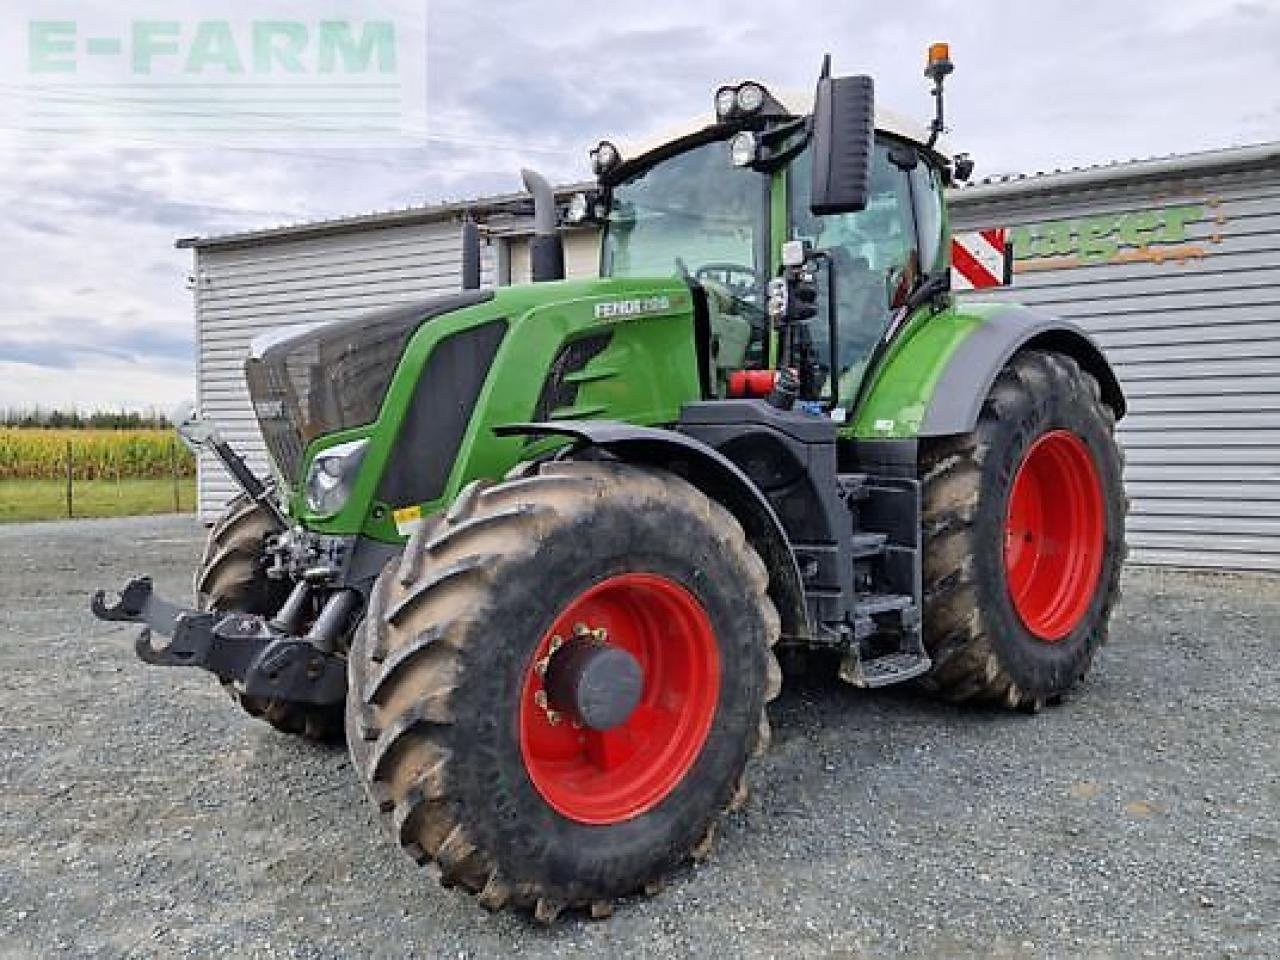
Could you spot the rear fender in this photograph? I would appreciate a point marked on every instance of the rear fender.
(973, 367)
(941, 368)
(712, 473)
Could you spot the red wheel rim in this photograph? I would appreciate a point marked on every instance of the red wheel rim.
(602, 777)
(1054, 535)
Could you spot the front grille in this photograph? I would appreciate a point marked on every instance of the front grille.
(280, 425)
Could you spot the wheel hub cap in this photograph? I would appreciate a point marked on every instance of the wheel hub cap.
(594, 684)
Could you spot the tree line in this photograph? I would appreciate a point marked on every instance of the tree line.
(35, 418)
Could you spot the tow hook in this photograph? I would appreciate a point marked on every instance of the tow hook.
(245, 649)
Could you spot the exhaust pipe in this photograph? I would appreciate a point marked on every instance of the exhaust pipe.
(546, 249)
(470, 254)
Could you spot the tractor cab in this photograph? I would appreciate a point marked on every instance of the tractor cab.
(720, 205)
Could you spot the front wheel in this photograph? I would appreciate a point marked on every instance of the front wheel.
(557, 688)
(1023, 537)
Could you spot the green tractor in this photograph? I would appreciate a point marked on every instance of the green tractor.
(539, 551)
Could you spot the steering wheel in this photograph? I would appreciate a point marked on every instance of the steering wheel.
(741, 280)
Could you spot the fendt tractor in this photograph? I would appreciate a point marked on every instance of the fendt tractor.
(538, 551)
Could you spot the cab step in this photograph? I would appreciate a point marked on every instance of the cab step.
(873, 614)
(883, 671)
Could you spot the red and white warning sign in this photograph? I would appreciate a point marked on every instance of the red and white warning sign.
(979, 259)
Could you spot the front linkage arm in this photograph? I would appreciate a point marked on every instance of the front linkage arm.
(235, 647)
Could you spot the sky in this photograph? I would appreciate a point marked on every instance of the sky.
(94, 307)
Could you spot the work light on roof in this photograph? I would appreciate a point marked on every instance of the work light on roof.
(726, 103)
(741, 101)
(743, 148)
(750, 97)
(604, 158)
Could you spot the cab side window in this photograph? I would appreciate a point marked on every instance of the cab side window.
(926, 191)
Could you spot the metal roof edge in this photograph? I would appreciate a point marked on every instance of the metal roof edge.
(1259, 156)
(482, 206)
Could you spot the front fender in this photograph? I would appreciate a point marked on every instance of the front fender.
(713, 474)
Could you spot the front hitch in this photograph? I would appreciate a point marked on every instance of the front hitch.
(240, 648)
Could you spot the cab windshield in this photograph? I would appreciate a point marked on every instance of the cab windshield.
(694, 215)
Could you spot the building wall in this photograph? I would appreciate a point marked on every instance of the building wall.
(1179, 281)
(581, 255)
(244, 291)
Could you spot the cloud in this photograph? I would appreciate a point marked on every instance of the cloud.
(93, 285)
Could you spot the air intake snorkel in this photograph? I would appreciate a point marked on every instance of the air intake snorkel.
(546, 249)
(470, 254)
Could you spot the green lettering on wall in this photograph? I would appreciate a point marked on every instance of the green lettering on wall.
(1020, 237)
(1097, 243)
(1137, 229)
(1057, 239)
(1174, 228)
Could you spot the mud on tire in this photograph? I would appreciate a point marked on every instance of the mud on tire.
(231, 579)
(437, 674)
(982, 649)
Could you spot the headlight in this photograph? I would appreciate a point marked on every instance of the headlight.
(742, 149)
(332, 476)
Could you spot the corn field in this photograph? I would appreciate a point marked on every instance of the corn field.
(42, 454)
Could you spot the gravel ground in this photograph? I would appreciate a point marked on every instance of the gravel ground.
(142, 816)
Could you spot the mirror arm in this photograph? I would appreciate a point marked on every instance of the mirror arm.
(933, 285)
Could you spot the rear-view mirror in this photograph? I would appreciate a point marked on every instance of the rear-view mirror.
(844, 125)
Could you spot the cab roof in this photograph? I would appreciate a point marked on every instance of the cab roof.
(798, 104)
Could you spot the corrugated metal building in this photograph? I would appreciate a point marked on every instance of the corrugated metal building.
(1174, 264)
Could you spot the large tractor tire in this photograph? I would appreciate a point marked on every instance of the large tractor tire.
(1023, 537)
(231, 579)
(557, 688)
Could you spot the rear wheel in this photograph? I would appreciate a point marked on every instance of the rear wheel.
(231, 579)
(557, 688)
(1024, 537)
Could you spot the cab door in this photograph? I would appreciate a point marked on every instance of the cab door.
(871, 260)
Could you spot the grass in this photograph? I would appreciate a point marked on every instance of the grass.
(47, 499)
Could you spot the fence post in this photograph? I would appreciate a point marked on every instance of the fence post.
(173, 470)
(70, 474)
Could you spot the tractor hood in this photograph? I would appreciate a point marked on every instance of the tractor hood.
(329, 376)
